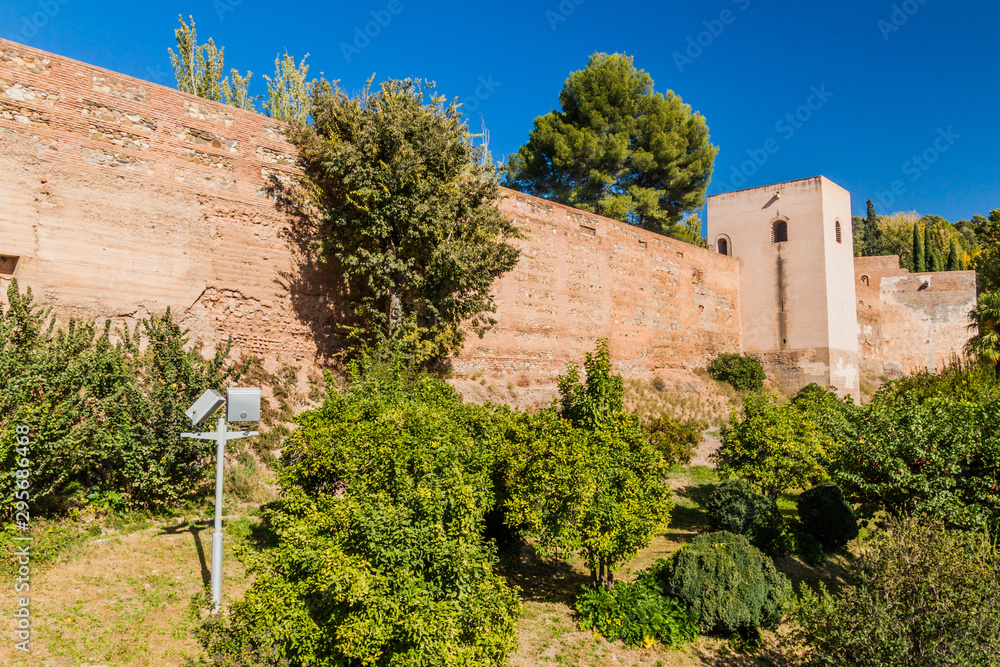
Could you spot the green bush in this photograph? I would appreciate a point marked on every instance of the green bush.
(961, 380)
(773, 447)
(675, 439)
(636, 613)
(727, 583)
(826, 515)
(923, 595)
(744, 373)
(734, 507)
(104, 418)
(378, 556)
(937, 457)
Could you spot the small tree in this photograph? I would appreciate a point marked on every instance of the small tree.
(872, 237)
(589, 482)
(618, 148)
(198, 70)
(919, 256)
(407, 211)
(773, 448)
(288, 91)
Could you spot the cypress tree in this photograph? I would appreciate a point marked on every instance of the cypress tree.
(919, 262)
(872, 236)
(954, 261)
(928, 249)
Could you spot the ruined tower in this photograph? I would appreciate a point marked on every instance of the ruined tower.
(796, 252)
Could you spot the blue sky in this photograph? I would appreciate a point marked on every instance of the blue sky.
(896, 101)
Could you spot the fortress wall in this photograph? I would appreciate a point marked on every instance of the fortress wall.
(909, 322)
(662, 303)
(121, 198)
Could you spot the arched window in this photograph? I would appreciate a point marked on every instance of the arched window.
(864, 279)
(779, 232)
(840, 238)
(723, 247)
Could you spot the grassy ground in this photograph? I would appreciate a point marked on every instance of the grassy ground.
(122, 596)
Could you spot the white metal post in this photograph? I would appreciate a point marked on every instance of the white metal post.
(221, 435)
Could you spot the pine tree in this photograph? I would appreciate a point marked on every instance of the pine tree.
(919, 260)
(618, 148)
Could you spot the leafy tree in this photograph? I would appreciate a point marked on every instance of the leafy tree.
(985, 344)
(827, 516)
(618, 148)
(377, 556)
(676, 440)
(919, 256)
(288, 91)
(407, 210)
(198, 69)
(937, 456)
(922, 595)
(773, 448)
(588, 481)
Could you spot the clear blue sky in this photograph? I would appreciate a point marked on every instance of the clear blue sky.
(888, 81)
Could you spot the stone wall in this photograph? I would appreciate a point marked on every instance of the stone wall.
(910, 321)
(121, 198)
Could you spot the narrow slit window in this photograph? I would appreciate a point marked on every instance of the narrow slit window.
(840, 237)
(779, 232)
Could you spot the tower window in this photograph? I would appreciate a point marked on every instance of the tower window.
(840, 238)
(864, 279)
(779, 232)
(723, 246)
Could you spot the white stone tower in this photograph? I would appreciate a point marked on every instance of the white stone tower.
(796, 252)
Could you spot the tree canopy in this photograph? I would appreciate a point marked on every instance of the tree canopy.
(618, 148)
(408, 211)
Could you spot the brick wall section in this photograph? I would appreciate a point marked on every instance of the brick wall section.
(123, 198)
(910, 321)
(662, 303)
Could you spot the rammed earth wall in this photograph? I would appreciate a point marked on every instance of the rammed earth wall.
(121, 198)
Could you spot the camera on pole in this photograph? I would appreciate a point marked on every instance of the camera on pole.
(242, 405)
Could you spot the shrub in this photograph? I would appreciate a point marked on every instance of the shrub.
(734, 507)
(924, 595)
(636, 613)
(676, 440)
(378, 556)
(103, 418)
(744, 373)
(961, 380)
(727, 583)
(938, 457)
(826, 515)
(773, 447)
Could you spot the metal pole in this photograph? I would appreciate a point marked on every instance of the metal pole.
(220, 433)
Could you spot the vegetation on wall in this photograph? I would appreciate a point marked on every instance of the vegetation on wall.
(618, 148)
(408, 212)
(743, 372)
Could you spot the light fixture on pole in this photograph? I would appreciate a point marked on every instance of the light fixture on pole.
(242, 405)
